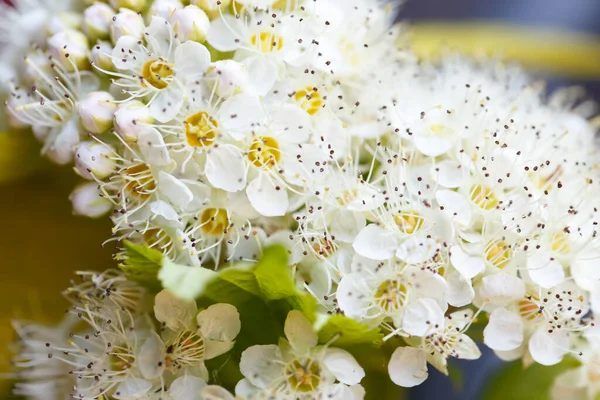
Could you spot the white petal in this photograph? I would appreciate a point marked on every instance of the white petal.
(213, 392)
(346, 225)
(415, 250)
(173, 311)
(460, 291)
(219, 322)
(187, 387)
(467, 265)
(261, 365)
(151, 358)
(225, 168)
(343, 366)
(349, 296)
(132, 388)
(466, 348)
(168, 102)
(290, 122)
(262, 75)
(239, 114)
(408, 367)
(449, 174)
(586, 271)
(159, 35)
(174, 190)
(191, 60)
(268, 199)
(224, 33)
(501, 289)
(153, 147)
(423, 317)
(432, 146)
(215, 348)
(300, 332)
(544, 269)
(504, 331)
(548, 348)
(200, 195)
(511, 355)
(125, 53)
(164, 215)
(456, 206)
(375, 243)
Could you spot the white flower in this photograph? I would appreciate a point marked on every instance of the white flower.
(408, 365)
(191, 337)
(126, 23)
(96, 111)
(97, 20)
(190, 23)
(160, 70)
(88, 201)
(297, 368)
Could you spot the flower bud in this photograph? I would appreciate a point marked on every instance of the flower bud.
(211, 7)
(64, 21)
(165, 8)
(101, 55)
(127, 22)
(190, 23)
(129, 118)
(228, 77)
(71, 45)
(135, 5)
(97, 20)
(92, 159)
(88, 202)
(96, 112)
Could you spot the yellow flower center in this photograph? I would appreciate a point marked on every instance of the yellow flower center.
(323, 247)
(529, 310)
(484, 197)
(214, 221)
(309, 99)
(184, 350)
(264, 152)
(303, 375)
(157, 73)
(201, 129)
(391, 295)
(120, 359)
(267, 42)
(158, 239)
(498, 254)
(560, 243)
(409, 222)
(140, 181)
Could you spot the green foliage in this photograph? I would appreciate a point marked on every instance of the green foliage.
(532, 383)
(342, 332)
(141, 264)
(263, 294)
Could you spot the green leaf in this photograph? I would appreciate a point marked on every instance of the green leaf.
(184, 281)
(141, 264)
(532, 383)
(277, 285)
(343, 332)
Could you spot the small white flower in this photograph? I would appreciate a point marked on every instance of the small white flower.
(190, 23)
(297, 367)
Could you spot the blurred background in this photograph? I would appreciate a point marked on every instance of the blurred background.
(42, 243)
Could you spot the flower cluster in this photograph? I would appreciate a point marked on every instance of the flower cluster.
(117, 343)
(416, 199)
